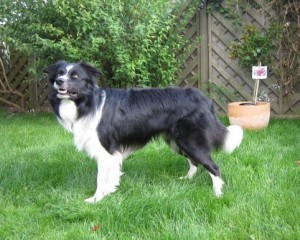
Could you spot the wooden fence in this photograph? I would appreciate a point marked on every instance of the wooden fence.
(206, 66)
(17, 69)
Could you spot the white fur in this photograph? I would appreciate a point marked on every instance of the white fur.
(128, 150)
(109, 174)
(68, 114)
(217, 185)
(86, 138)
(233, 139)
(69, 67)
(192, 171)
(65, 77)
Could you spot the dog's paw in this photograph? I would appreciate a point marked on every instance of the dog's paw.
(218, 187)
(218, 193)
(184, 178)
(93, 199)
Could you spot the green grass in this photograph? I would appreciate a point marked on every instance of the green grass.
(44, 180)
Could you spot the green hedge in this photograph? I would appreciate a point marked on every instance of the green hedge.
(135, 43)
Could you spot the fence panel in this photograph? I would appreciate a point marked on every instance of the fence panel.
(227, 81)
(17, 71)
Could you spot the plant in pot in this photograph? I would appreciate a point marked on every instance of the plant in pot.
(254, 49)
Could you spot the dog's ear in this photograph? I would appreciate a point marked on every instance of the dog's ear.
(52, 68)
(91, 70)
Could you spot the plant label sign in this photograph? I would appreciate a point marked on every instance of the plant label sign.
(259, 72)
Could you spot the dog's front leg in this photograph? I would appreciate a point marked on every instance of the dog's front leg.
(108, 176)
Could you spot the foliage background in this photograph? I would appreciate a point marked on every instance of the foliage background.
(134, 44)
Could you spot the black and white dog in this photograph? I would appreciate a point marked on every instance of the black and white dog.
(109, 124)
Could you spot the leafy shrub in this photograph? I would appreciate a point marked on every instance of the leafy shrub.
(134, 42)
(255, 46)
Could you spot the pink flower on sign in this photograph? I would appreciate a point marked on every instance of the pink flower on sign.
(259, 72)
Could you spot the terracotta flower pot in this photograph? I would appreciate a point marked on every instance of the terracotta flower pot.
(248, 115)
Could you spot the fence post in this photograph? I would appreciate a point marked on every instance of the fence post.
(33, 90)
(204, 48)
(33, 95)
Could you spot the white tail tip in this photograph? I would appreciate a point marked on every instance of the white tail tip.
(233, 138)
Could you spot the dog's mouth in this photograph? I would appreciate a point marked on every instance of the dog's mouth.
(65, 93)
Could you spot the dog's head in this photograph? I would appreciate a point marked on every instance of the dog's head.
(72, 80)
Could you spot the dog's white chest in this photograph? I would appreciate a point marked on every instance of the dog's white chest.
(68, 114)
(84, 129)
(86, 137)
(68, 110)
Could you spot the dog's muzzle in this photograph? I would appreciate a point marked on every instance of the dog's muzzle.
(63, 90)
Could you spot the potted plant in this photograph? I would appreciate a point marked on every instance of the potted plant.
(254, 49)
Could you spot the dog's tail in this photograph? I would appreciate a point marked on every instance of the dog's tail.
(233, 138)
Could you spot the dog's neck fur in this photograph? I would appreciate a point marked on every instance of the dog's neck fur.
(68, 114)
(82, 127)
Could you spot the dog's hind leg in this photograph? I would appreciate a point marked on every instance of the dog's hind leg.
(206, 161)
(198, 154)
(192, 167)
(192, 135)
(203, 157)
(192, 171)
(217, 184)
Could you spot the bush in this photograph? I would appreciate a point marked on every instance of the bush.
(255, 46)
(134, 44)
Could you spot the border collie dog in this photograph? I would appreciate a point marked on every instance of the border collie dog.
(109, 124)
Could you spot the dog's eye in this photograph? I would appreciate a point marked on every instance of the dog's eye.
(74, 75)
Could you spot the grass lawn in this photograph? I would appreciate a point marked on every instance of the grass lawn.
(44, 180)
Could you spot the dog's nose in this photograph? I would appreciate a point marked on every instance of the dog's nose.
(59, 81)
